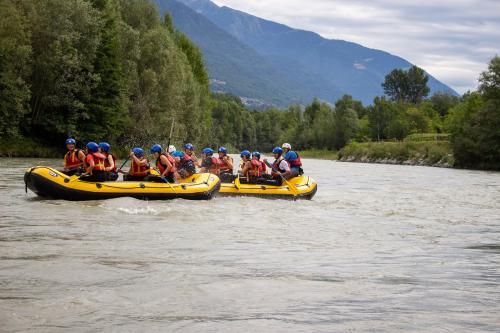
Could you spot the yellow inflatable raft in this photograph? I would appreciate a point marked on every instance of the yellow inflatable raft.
(48, 182)
(302, 187)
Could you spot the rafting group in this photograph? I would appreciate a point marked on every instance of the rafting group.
(92, 173)
(96, 163)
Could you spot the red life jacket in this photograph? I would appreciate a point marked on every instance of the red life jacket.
(138, 170)
(107, 164)
(276, 166)
(264, 167)
(98, 159)
(296, 163)
(256, 168)
(162, 167)
(224, 166)
(215, 166)
(71, 160)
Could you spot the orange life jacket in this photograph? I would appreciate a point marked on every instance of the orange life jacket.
(215, 166)
(224, 166)
(71, 159)
(107, 164)
(98, 159)
(138, 170)
(276, 166)
(256, 168)
(162, 167)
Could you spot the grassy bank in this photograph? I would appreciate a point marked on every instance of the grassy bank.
(25, 147)
(428, 153)
(319, 154)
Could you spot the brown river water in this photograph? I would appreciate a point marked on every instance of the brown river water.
(380, 248)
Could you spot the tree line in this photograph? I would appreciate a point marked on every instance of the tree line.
(98, 69)
(115, 70)
(472, 120)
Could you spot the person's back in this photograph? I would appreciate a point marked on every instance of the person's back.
(94, 164)
(293, 160)
(184, 164)
(109, 162)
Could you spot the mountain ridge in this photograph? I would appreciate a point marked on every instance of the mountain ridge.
(313, 65)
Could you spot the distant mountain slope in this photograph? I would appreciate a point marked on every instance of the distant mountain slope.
(233, 66)
(339, 66)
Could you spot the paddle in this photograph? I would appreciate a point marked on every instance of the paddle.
(126, 160)
(237, 182)
(170, 135)
(166, 181)
(290, 186)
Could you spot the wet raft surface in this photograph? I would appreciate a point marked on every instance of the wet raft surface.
(380, 248)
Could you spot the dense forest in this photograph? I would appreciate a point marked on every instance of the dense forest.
(115, 70)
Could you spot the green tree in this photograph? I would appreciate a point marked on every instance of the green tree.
(417, 85)
(490, 81)
(106, 113)
(406, 86)
(442, 103)
(64, 40)
(346, 122)
(379, 115)
(15, 61)
(460, 124)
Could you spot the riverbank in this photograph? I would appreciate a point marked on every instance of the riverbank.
(319, 154)
(424, 153)
(25, 147)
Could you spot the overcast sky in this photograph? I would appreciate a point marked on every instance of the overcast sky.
(451, 39)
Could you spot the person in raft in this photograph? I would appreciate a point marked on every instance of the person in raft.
(256, 155)
(73, 159)
(209, 163)
(94, 164)
(139, 168)
(184, 164)
(109, 162)
(251, 168)
(165, 164)
(189, 151)
(293, 160)
(226, 166)
(280, 168)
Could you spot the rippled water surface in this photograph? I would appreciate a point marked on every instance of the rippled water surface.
(381, 248)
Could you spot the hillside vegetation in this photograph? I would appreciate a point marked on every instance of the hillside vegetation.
(115, 70)
(100, 69)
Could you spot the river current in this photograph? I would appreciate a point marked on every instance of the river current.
(380, 248)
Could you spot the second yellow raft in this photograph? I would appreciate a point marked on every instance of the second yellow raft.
(301, 187)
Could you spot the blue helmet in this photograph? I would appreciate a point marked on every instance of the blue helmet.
(223, 150)
(156, 149)
(92, 147)
(138, 152)
(71, 141)
(208, 151)
(179, 154)
(188, 146)
(278, 151)
(245, 153)
(104, 146)
(256, 154)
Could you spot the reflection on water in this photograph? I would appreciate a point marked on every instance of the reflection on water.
(380, 248)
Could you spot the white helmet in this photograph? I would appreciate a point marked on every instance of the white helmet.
(171, 149)
(286, 146)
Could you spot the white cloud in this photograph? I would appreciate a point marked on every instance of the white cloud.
(451, 39)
